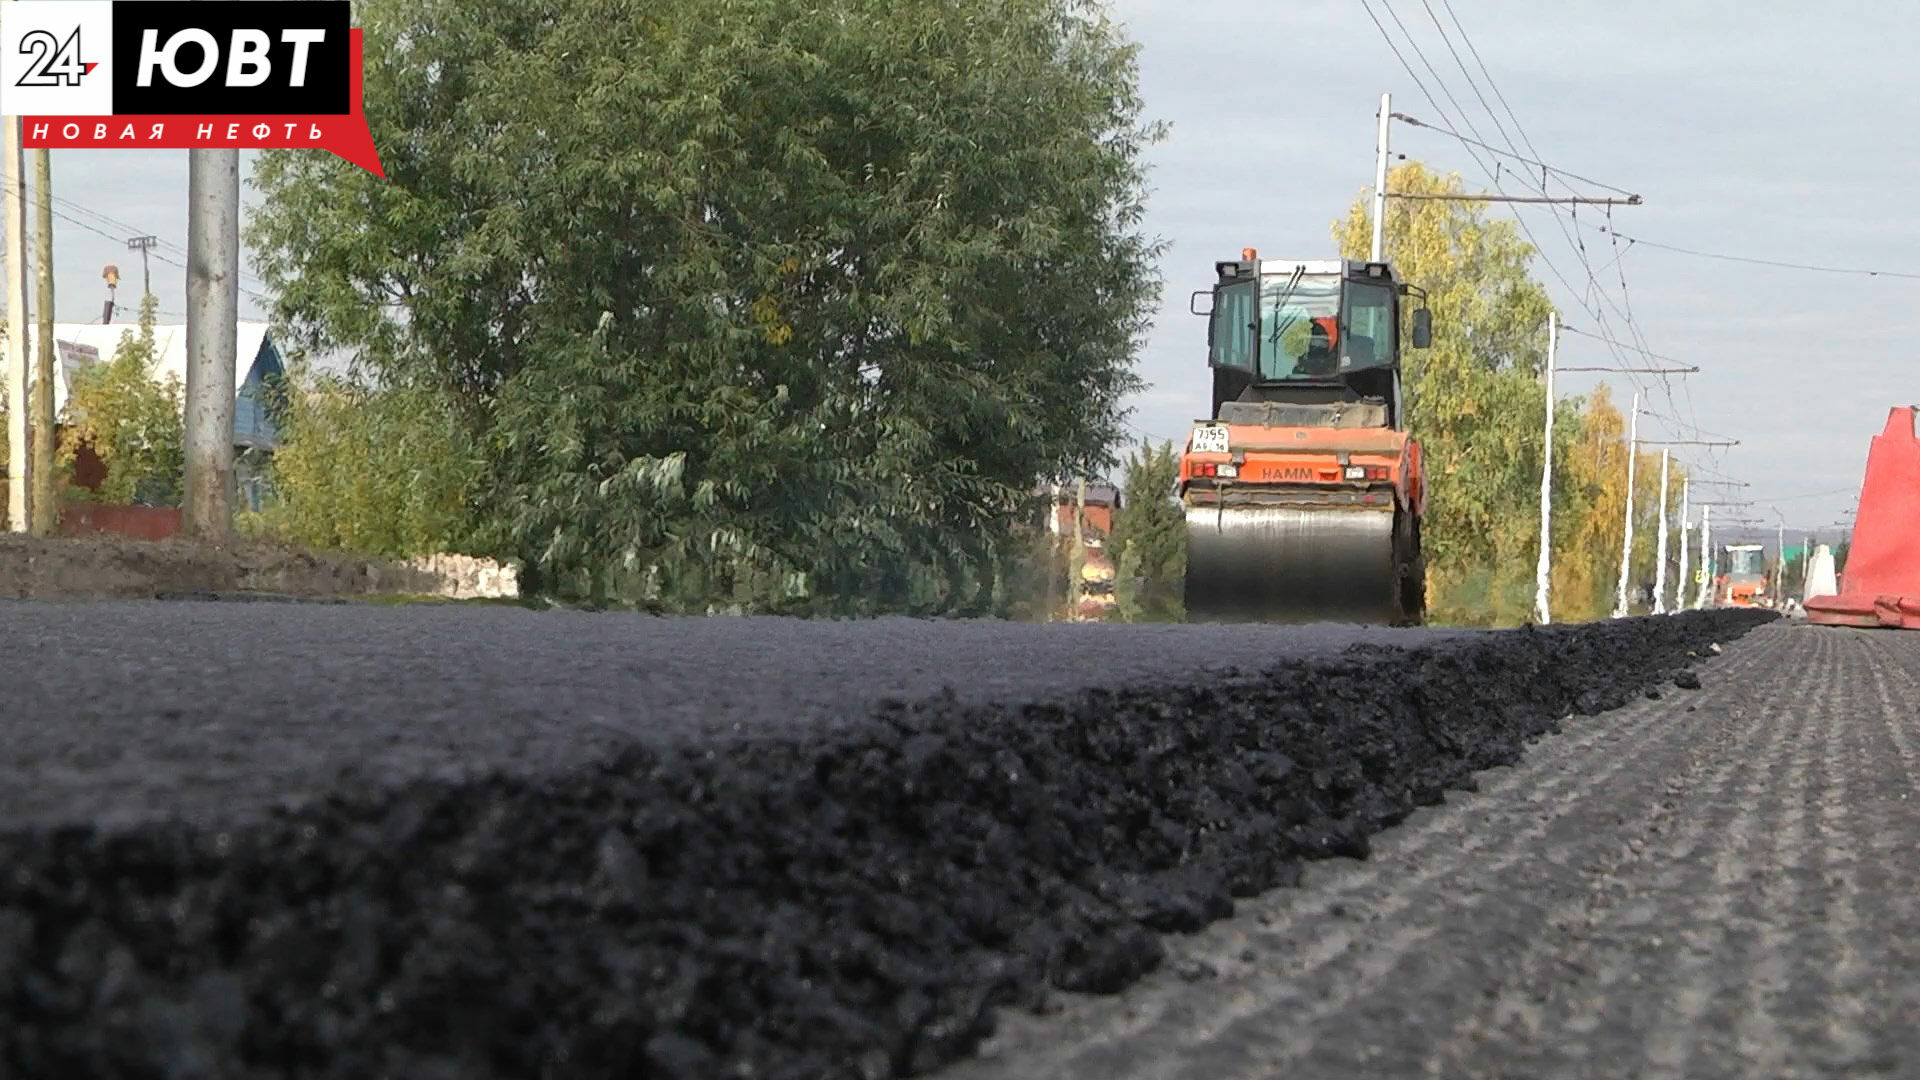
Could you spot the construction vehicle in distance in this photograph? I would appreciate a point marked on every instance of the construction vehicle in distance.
(1303, 491)
(1744, 581)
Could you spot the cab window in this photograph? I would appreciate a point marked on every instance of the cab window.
(1231, 334)
(1369, 338)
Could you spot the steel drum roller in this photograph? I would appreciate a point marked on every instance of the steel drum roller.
(1280, 564)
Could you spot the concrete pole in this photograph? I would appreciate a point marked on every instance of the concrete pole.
(1543, 572)
(213, 314)
(1706, 556)
(19, 470)
(1379, 248)
(1626, 537)
(1686, 526)
(1660, 544)
(46, 505)
(1780, 562)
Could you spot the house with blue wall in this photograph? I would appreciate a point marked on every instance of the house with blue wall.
(257, 368)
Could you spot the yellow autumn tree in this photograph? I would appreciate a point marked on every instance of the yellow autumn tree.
(1474, 397)
(1590, 504)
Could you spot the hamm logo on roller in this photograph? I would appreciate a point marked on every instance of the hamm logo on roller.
(168, 74)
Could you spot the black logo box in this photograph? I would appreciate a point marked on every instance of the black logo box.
(328, 82)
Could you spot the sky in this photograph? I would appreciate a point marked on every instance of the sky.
(1759, 128)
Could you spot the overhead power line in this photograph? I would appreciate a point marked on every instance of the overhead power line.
(1541, 165)
(1811, 495)
(1783, 264)
(1596, 293)
(1624, 345)
(1576, 200)
(1493, 173)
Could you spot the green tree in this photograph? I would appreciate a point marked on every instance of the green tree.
(1474, 397)
(778, 300)
(131, 417)
(382, 471)
(1149, 543)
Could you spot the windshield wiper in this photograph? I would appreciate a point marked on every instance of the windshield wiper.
(1292, 284)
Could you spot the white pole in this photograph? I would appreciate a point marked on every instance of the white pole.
(1660, 545)
(1686, 526)
(1780, 561)
(1706, 556)
(19, 516)
(1380, 184)
(1543, 572)
(1626, 537)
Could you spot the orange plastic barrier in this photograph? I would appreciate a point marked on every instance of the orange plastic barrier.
(1881, 584)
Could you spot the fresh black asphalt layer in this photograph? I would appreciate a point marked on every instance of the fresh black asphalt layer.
(1716, 885)
(429, 842)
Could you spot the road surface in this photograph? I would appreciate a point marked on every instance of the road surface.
(343, 841)
(1719, 884)
(210, 709)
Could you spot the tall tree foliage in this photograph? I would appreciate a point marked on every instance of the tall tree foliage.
(1474, 396)
(130, 416)
(1149, 544)
(1477, 403)
(767, 299)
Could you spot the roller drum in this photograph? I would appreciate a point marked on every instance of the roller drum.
(1292, 565)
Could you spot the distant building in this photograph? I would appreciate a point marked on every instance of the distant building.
(1095, 593)
(257, 365)
(1103, 501)
(257, 362)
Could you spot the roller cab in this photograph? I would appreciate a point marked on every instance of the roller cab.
(1303, 491)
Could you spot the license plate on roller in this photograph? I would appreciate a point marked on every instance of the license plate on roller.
(1210, 439)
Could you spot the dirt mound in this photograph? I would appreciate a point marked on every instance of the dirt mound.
(111, 567)
(852, 902)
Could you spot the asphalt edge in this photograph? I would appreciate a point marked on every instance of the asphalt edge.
(857, 903)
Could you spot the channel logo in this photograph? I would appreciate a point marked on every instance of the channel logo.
(232, 74)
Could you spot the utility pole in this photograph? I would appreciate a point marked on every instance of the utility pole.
(1076, 589)
(1686, 526)
(213, 312)
(1660, 545)
(1543, 571)
(1780, 559)
(46, 510)
(1380, 183)
(144, 244)
(19, 471)
(1706, 556)
(1626, 537)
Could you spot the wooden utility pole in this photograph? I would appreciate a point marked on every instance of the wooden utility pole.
(213, 313)
(46, 508)
(143, 245)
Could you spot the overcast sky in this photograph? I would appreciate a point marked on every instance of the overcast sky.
(1766, 129)
(1763, 129)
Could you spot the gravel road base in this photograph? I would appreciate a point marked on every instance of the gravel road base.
(1714, 884)
(843, 900)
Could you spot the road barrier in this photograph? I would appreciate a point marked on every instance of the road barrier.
(1881, 583)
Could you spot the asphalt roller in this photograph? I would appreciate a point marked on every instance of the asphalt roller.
(1304, 491)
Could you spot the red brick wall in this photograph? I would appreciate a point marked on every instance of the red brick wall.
(139, 522)
(1099, 517)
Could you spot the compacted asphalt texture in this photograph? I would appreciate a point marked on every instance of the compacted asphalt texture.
(335, 840)
(1716, 884)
